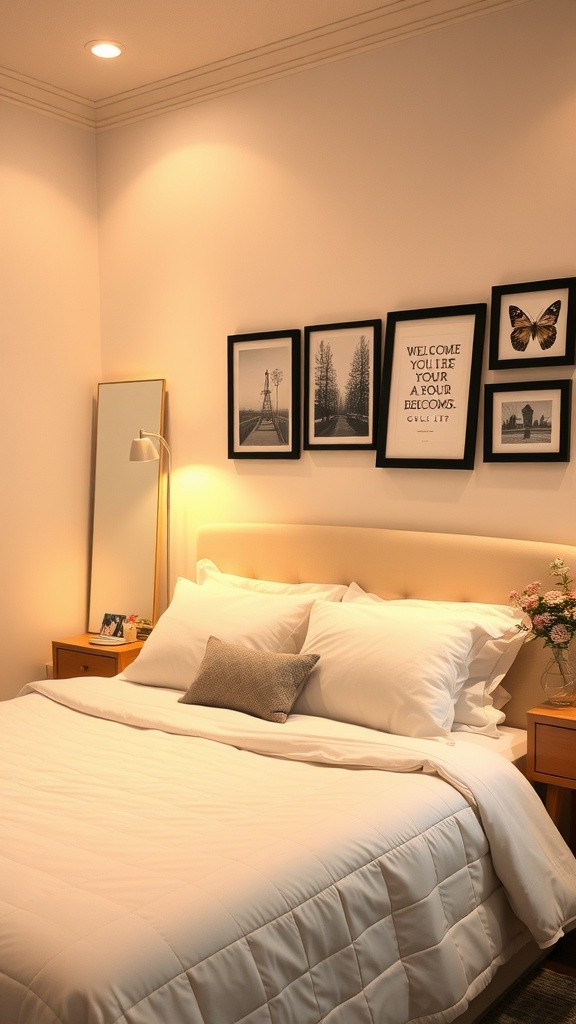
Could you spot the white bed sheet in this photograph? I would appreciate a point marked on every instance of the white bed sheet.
(511, 743)
(168, 871)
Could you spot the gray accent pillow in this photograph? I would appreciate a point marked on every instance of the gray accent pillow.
(256, 682)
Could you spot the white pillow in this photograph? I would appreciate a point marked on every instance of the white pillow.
(207, 570)
(478, 706)
(174, 650)
(387, 669)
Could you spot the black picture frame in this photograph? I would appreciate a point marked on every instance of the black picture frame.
(533, 324)
(527, 421)
(341, 385)
(112, 624)
(264, 395)
(430, 389)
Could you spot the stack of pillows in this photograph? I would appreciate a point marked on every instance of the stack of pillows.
(414, 668)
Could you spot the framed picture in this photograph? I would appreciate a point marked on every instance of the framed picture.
(430, 387)
(264, 395)
(112, 624)
(527, 422)
(341, 384)
(533, 324)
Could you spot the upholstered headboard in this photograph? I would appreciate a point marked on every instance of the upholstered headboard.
(397, 564)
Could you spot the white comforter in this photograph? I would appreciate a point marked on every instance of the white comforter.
(150, 874)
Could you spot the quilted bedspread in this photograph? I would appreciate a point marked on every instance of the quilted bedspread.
(167, 864)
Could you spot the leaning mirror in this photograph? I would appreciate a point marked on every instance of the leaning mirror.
(125, 527)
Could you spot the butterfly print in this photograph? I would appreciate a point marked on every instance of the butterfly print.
(524, 327)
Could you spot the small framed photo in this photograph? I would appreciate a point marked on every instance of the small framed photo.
(264, 395)
(341, 384)
(533, 324)
(527, 422)
(112, 624)
(431, 387)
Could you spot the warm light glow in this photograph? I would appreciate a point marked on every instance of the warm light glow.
(104, 48)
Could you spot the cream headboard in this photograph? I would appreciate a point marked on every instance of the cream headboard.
(396, 564)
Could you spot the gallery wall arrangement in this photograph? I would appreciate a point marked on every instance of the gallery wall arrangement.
(418, 406)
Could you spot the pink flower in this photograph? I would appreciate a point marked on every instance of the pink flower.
(554, 597)
(532, 588)
(560, 634)
(542, 621)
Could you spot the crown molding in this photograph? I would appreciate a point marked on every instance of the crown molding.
(46, 99)
(384, 25)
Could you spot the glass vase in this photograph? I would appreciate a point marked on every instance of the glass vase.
(559, 679)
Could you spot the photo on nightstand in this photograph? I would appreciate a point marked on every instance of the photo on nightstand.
(112, 624)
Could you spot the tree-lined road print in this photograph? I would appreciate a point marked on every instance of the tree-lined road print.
(342, 388)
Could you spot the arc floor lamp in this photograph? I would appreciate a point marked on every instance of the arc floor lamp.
(143, 450)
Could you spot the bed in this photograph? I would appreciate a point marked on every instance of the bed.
(274, 817)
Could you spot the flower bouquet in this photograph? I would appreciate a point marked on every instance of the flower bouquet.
(552, 618)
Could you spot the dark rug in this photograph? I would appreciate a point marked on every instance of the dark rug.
(544, 996)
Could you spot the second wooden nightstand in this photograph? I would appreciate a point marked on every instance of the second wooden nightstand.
(551, 755)
(76, 656)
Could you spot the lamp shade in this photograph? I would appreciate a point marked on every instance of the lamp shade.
(142, 450)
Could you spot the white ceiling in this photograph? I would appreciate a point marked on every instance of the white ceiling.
(183, 51)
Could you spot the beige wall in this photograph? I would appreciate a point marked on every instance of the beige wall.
(419, 174)
(50, 358)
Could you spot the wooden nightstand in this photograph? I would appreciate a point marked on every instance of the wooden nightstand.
(551, 755)
(76, 656)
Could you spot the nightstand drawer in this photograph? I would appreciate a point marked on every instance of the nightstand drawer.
(82, 663)
(78, 656)
(555, 751)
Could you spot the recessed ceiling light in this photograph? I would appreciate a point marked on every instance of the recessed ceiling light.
(104, 48)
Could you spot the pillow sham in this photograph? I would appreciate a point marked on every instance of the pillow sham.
(478, 706)
(207, 570)
(256, 682)
(174, 650)
(382, 668)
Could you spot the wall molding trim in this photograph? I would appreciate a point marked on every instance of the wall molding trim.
(382, 26)
(46, 99)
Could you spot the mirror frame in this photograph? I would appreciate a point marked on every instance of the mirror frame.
(126, 504)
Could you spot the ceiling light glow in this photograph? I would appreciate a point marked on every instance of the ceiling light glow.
(104, 48)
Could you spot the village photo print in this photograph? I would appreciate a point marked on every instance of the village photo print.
(527, 421)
